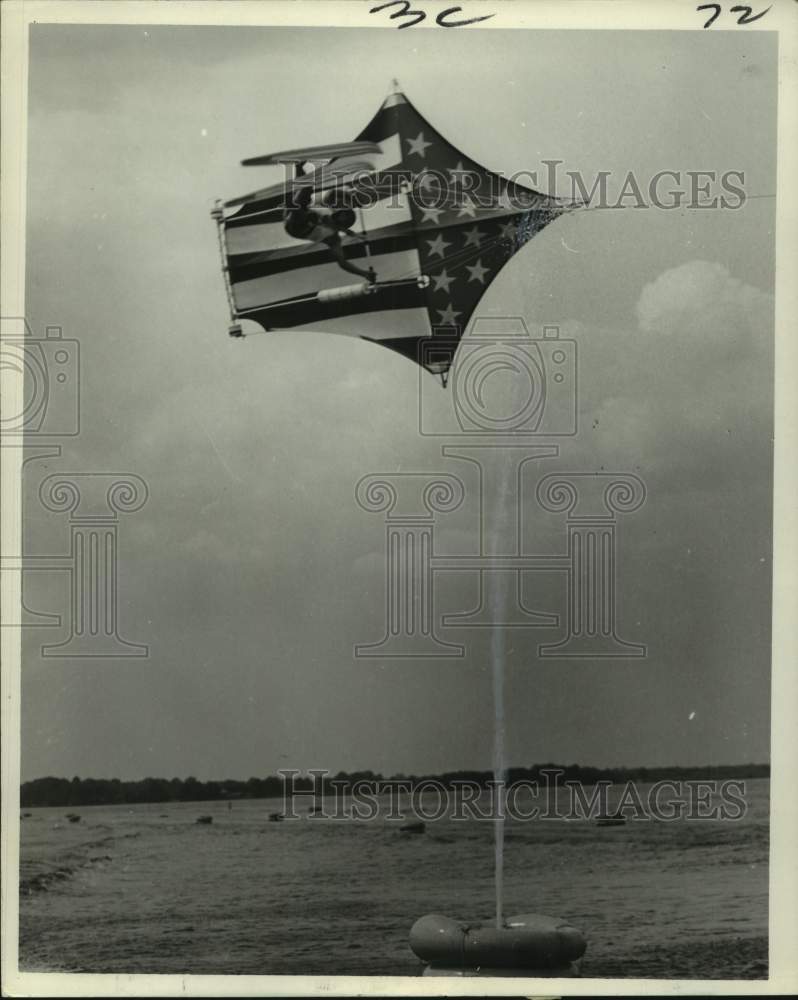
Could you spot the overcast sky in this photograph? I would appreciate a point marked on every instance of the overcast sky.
(251, 572)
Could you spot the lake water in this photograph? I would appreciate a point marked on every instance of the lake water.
(147, 889)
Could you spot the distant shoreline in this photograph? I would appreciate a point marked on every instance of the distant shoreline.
(52, 791)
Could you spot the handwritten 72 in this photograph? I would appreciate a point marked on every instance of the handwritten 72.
(746, 13)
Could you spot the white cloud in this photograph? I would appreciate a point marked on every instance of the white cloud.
(702, 301)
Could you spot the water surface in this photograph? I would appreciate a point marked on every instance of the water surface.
(146, 889)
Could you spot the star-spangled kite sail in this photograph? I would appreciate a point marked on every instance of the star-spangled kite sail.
(427, 227)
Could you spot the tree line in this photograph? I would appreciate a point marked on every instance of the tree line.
(111, 791)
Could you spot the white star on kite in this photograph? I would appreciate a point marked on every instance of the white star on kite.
(478, 272)
(466, 207)
(425, 179)
(438, 245)
(508, 231)
(458, 170)
(473, 236)
(442, 281)
(430, 214)
(418, 145)
(448, 317)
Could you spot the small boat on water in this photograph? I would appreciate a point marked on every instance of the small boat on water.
(206, 820)
(413, 826)
(616, 819)
(73, 817)
(276, 817)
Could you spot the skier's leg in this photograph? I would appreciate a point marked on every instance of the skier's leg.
(338, 250)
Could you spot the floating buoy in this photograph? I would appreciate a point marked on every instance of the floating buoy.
(529, 942)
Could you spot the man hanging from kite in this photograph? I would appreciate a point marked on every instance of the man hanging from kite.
(323, 224)
(434, 257)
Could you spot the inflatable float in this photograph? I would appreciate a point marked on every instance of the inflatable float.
(529, 944)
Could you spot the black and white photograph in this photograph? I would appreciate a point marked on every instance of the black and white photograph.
(397, 411)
